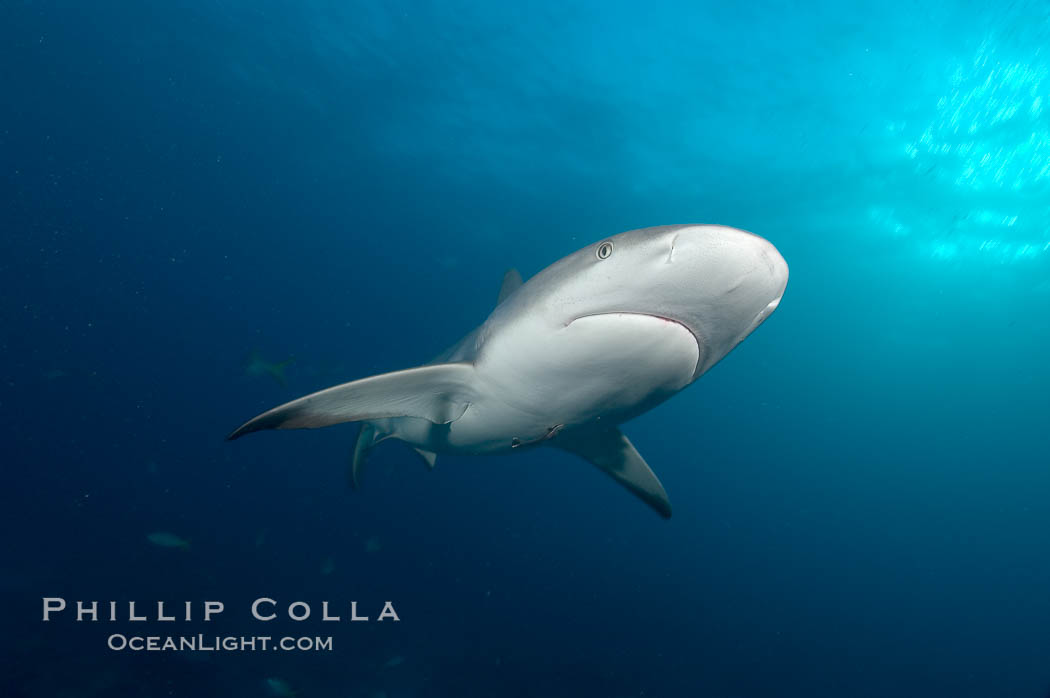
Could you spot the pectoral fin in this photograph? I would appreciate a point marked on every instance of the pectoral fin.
(439, 393)
(612, 452)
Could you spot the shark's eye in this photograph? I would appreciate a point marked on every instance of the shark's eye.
(604, 250)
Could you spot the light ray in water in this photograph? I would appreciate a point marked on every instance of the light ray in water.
(983, 162)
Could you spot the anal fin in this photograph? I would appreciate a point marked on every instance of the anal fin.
(610, 451)
(429, 457)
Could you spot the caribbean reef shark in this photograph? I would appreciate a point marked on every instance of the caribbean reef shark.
(590, 342)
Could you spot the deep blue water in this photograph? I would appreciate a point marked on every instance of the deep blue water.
(861, 489)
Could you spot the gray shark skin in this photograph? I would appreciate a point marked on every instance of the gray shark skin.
(590, 342)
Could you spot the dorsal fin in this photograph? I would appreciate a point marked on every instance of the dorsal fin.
(511, 283)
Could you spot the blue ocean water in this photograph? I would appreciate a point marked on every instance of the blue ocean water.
(861, 489)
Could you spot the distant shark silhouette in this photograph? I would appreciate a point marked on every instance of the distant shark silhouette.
(593, 340)
(255, 365)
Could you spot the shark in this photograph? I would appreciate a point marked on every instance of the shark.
(255, 366)
(588, 343)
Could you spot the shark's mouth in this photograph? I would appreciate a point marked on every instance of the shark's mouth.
(700, 343)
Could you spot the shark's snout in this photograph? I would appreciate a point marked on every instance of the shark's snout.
(768, 310)
(746, 262)
(761, 263)
(778, 270)
(772, 273)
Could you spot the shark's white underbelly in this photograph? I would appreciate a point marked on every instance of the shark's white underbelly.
(533, 380)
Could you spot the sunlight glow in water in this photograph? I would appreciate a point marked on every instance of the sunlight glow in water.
(992, 127)
(982, 165)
